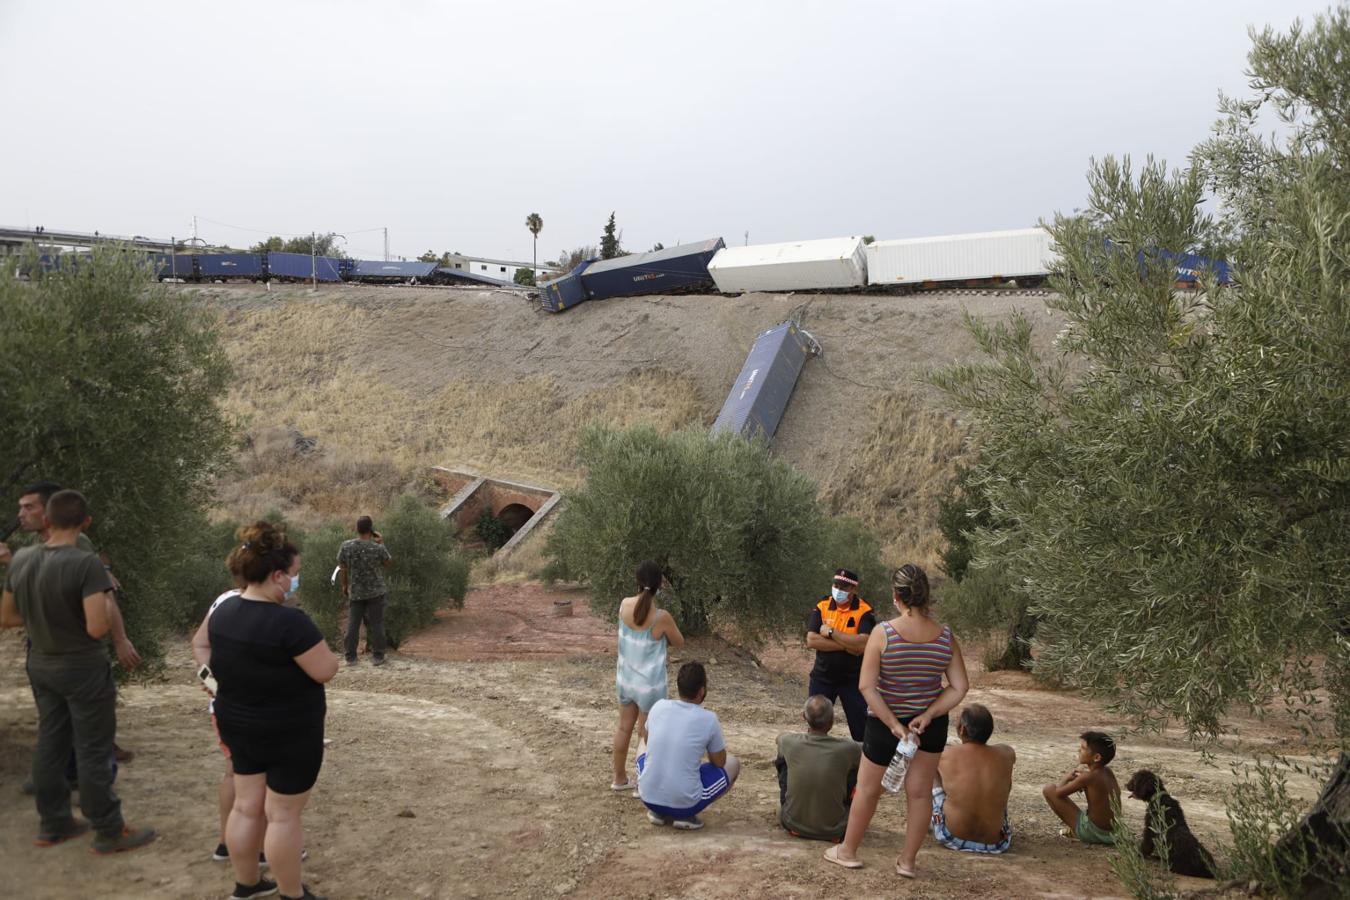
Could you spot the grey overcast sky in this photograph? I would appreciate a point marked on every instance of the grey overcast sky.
(449, 122)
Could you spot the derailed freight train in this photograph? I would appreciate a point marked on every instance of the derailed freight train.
(1024, 256)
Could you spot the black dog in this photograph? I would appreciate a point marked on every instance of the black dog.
(1164, 822)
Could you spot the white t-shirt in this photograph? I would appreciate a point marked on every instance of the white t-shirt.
(678, 736)
(232, 592)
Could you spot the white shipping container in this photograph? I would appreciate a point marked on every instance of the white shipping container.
(793, 266)
(1021, 253)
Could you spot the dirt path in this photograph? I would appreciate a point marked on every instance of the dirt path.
(493, 728)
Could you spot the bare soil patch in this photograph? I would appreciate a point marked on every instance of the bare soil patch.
(493, 728)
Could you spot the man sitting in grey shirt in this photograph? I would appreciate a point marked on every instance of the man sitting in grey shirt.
(816, 775)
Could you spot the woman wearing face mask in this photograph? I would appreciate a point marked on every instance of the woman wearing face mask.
(902, 671)
(644, 634)
(270, 663)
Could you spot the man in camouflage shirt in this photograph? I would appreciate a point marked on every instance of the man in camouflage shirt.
(362, 562)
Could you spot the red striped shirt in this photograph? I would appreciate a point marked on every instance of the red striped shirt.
(911, 672)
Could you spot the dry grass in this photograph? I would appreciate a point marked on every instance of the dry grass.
(389, 384)
(893, 480)
(375, 439)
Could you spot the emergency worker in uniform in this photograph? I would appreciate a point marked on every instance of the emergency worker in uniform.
(838, 630)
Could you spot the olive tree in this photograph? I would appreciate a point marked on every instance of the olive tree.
(109, 384)
(738, 532)
(1171, 482)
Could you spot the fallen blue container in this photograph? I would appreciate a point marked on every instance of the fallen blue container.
(229, 265)
(567, 291)
(373, 270)
(667, 271)
(760, 396)
(303, 267)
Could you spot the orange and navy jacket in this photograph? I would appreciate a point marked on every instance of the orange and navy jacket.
(855, 618)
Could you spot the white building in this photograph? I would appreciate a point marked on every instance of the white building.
(503, 269)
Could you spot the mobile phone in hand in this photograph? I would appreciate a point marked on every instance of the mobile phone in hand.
(204, 673)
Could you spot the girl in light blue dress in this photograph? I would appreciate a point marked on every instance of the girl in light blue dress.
(640, 680)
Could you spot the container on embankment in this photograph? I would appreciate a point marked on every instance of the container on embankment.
(303, 267)
(760, 395)
(838, 263)
(991, 255)
(667, 271)
(211, 266)
(565, 292)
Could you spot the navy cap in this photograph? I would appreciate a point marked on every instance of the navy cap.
(846, 575)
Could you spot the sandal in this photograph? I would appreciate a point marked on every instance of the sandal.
(832, 855)
(904, 871)
(628, 785)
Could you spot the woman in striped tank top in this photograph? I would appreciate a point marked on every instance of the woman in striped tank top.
(902, 671)
(640, 677)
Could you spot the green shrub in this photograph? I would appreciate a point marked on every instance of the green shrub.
(198, 574)
(737, 531)
(429, 567)
(491, 530)
(318, 595)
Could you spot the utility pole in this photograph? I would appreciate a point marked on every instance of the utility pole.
(747, 239)
(386, 243)
(173, 258)
(194, 231)
(313, 265)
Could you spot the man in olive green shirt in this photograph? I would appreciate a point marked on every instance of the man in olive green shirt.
(816, 775)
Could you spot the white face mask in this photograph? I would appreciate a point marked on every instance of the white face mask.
(840, 596)
(295, 585)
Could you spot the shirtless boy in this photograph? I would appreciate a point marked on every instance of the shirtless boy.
(1092, 825)
(970, 799)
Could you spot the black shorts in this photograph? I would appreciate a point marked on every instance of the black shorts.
(291, 759)
(879, 744)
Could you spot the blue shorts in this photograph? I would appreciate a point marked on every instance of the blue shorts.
(952, 842)
(715, 784)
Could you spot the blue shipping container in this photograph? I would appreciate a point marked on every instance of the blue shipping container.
(1191, 266)
(760, 395)
(179, 265)
(229, 265)
(302, 266)
(657, 272)
(567, 291)
(372, 270)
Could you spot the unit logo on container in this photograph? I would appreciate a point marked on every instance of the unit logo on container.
(650, 276)
(749, 383)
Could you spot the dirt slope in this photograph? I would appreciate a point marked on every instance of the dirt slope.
(391, 380)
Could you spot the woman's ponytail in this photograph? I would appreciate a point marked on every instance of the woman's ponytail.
(649, 582)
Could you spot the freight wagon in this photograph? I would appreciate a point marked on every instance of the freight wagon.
(760, 395)
(837, 263)
(1024, 255)
(303, 267)
(370, 270)
(225, 266)
(667, 271)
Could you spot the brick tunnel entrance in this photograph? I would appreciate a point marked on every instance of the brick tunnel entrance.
(515, 515)
(517, 506)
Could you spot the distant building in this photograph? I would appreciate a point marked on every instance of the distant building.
(503, 269)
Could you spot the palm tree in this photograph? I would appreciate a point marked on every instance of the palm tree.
(536, 225)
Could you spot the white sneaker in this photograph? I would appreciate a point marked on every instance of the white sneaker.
(656, 819)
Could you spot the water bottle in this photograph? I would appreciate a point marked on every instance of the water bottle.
(894, 778)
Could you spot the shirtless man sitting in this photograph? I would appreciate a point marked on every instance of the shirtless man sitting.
(970, 796)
